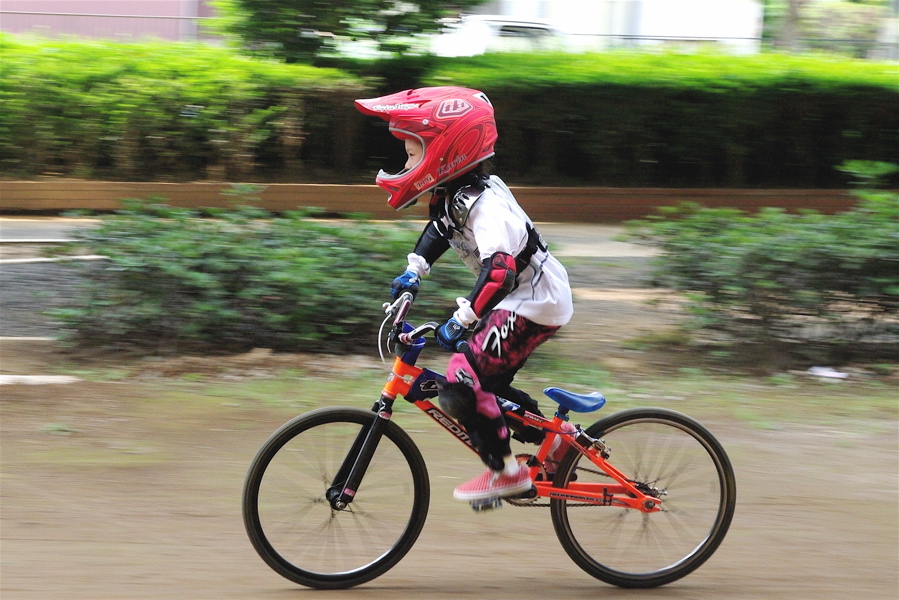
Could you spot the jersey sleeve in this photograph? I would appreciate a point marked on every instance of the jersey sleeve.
(497, 229)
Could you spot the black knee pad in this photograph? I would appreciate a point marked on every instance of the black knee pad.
(520, 431)
(457, 400)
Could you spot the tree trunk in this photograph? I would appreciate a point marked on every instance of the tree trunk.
(790, 32)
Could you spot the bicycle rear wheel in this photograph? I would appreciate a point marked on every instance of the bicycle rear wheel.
(293, 526)
(664, 450)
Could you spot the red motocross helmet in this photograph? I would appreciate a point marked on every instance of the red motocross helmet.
(456, 129)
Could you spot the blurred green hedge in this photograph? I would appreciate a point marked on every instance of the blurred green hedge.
(685, 120)
(164, 111)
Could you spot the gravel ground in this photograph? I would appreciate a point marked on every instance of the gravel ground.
(29, 290)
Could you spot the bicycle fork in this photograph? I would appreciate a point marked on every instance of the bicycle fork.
(346, 482)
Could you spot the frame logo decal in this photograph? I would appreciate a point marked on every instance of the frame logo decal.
(448, 424)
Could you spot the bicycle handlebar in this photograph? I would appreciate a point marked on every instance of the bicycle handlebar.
(408, 338)
(400, 308)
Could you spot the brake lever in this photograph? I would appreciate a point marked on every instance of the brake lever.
(390, 308)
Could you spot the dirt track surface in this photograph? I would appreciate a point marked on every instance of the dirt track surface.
(130, 489)
(134, 498)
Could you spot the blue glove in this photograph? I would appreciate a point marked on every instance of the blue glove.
(450, 333)
(408, 281)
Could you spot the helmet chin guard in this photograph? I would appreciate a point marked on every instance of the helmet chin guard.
(454, 125)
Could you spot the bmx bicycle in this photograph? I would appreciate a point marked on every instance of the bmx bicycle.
(337, 496)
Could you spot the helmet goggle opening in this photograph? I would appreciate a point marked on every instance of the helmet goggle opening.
(403, 135)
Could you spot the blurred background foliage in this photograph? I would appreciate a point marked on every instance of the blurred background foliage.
(157, 110)
(685, 120)
(233, 279)
(229, 280)
(274, 104)
(176, 112)
(301, 30)
(823, 284)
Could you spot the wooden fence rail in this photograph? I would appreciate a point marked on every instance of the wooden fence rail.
(560, 204)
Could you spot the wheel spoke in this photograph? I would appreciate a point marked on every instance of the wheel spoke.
(292, 524)
(658, 449)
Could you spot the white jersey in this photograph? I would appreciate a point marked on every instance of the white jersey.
(496, 223)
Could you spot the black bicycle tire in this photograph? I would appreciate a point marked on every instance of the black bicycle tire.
(382, 563)
(701, 552)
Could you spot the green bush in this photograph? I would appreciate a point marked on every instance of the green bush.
(684, 120)
(171, 111)
(226, 280)
(790, 277)
(164, 111)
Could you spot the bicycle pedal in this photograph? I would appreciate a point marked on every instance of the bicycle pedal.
(487, 504)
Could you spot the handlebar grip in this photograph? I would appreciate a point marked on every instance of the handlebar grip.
(402, 306)
(462, 346)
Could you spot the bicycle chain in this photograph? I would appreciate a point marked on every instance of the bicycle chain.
(523, 502)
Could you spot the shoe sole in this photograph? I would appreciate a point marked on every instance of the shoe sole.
(515, 491)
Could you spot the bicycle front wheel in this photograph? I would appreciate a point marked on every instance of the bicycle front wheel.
(690, 472)
(293, 526)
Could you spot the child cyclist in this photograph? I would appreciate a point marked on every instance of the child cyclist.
(521, 296)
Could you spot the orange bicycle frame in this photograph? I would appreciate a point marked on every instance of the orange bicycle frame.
(621, 492)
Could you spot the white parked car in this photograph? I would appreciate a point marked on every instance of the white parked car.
(477, 34)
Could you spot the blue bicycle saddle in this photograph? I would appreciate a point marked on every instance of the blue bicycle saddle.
(581, 403)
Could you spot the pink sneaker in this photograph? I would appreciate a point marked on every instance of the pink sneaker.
(494, 484)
